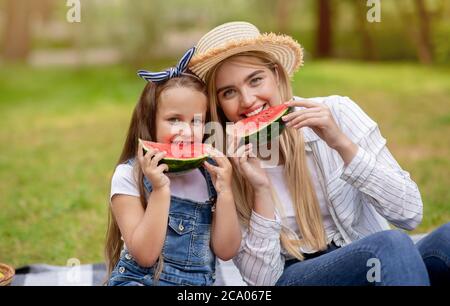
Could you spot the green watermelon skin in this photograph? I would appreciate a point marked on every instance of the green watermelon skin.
(176, 165)
(267, 134)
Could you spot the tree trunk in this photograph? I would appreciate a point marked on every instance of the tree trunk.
(283, 8)
(324, 34)
(44, 9)
(368, 51)
(17, 36)
(424, 45)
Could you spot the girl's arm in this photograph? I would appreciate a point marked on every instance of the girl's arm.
(225, 230)
(143, 231)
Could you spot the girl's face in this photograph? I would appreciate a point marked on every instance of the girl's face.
(244, 90)
(181, 115)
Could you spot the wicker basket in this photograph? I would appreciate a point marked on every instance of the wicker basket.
(6, 274)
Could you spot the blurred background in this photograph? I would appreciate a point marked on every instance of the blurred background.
(67, 90)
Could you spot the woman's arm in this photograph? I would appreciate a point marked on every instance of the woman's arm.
(384, 184)
(259, 259)
(375, 172)
(368, 164)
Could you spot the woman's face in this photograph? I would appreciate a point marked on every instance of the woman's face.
(181, 115)
(244, 89)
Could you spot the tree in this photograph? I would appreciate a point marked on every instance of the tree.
(283, 9)
(424, 44)
(367, 45)
(17, 36)
(417, 24)
(324, 33)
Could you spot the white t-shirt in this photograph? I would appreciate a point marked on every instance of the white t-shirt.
(278, 180)
(190, 185)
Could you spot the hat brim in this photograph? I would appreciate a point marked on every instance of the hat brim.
(285, 49)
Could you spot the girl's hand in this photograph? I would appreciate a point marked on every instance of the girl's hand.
(149, 165)
(222, 173)
(250, 167)
(318, 117)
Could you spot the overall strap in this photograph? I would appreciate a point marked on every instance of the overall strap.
(211, 190)
(147, 184)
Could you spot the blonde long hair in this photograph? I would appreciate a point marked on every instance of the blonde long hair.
(142, 125)
(306, 205)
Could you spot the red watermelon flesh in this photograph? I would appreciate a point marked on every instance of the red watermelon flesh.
(179, 156)
(256, 126)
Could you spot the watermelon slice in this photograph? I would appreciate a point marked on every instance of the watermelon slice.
(180, 157)
(263, 127)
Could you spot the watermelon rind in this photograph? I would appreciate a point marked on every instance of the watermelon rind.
(263, 134)
(179, 165)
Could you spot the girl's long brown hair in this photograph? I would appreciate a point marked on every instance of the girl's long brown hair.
(304, 199)
(142, 125)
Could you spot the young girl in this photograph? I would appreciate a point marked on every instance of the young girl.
(335, 180)
(167, 229)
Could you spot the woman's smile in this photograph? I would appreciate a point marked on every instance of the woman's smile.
(255, 110)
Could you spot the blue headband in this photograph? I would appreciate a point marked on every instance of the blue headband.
(169, 73)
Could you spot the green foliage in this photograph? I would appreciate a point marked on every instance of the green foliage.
(141, 30)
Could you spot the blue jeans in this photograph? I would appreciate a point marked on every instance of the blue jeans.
(384, 258)
(435, 252)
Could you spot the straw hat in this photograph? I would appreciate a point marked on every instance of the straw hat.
(235, 37)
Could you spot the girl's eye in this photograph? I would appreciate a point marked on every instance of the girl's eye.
(256, 81)
(173, 120)
(229, 93)
(197, 121)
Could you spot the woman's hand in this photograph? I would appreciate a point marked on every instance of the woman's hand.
(250, 167)
(319, 118)
(149, 165)
(222, 173)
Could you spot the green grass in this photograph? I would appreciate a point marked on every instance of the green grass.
(61, 132)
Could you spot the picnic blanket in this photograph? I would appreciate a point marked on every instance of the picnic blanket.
(95, 274)
(227, 274)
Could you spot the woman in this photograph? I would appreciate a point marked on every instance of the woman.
(320, 215)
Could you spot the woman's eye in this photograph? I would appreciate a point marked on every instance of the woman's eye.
(229, 93)
(256, 81)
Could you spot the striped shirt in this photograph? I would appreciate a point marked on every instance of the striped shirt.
(362, 197)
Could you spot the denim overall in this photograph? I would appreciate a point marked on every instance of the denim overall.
(188, 258)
